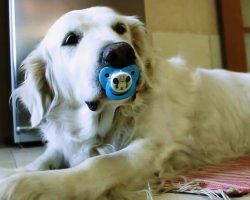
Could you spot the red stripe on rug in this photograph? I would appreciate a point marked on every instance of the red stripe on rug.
(232, 177)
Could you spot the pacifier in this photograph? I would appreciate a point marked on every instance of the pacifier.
(119, 83)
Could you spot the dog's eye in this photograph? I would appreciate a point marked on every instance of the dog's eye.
(71, 39)
(120, 28)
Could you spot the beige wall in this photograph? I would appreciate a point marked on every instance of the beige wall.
(245, 4)
(187, 28)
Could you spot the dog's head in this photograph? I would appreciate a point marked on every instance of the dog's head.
(64, 67)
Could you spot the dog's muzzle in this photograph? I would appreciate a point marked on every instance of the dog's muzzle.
(119, 75)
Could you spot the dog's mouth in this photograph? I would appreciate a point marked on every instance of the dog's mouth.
(92, 105)
(98, 105)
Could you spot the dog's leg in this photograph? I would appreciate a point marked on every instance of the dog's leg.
(88, 180)
(50, 159)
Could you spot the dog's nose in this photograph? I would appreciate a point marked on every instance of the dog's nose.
(118, 55)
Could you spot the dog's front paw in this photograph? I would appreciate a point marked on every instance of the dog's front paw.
(27, 187)
(52, 185)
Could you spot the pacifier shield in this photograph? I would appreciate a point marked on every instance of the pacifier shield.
(119, 83)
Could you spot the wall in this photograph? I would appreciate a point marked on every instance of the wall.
(187, 28)
(245, 4)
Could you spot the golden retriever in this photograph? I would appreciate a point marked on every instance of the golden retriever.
(178, 118)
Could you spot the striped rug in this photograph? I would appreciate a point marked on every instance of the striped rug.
(231, 178)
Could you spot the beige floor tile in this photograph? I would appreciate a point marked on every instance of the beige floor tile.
(247, 197)
(24, 155)
(172, 196)
(6, 155)
(23, 163)
(8, 164)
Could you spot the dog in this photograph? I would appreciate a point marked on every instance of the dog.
(179, 117)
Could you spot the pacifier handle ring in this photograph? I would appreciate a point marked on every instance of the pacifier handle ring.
(125, 86)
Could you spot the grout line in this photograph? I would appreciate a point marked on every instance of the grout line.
(14, 158)
(210, 48)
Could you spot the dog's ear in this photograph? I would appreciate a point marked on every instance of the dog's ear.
(35, 92)
(139, 35)
(142, 43)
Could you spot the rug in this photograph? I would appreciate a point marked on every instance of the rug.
(218, 182)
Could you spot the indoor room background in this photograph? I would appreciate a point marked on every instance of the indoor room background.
(193, 29)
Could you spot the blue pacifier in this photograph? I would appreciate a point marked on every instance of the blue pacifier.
(119, 83)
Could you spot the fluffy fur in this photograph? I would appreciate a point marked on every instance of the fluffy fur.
(179, 118)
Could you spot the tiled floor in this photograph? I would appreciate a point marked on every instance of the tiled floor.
(11, 157)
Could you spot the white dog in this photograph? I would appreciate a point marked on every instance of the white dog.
(179, 117)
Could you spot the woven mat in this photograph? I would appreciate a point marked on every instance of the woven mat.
(221, 181)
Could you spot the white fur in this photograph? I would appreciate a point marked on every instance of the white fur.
(180, 117)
